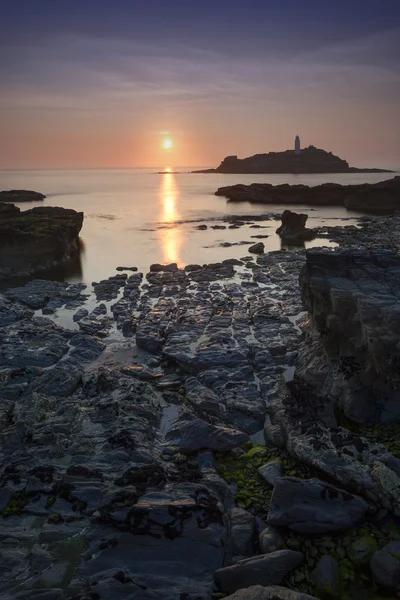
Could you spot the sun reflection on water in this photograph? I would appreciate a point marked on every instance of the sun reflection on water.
(171, 236)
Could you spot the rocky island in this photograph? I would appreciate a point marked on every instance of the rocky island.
(307, 160)
(378, 198)
(37, 239)
(228, 430)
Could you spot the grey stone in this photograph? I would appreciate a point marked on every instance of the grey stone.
(242, 532)
(268, 569)
(190, 436)
(326, 577)
(312, 506)
(257, 248)
(270, 540)
(385, 566)
(271, 471)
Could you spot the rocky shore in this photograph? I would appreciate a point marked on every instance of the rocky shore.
(219, 431)
(37, 239)
(377, 198)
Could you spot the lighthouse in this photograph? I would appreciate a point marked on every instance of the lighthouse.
(297, 145)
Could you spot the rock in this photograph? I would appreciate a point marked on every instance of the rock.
(257, 248)
(293, 229)
(80, 314)
(157, 268)
(361, 549)
(364, 197)
(381, 198)
(202, 227)
(268, 569)
(190, 436)
(312, 506)
(21, 196)
(385, 566)
(353, 298)
(270, 540)
(326, 577)
(126, 269)
(271, 471)
(257, 592)
(242, 532)
(37, 239)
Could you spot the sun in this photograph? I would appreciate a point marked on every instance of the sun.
(167, 144)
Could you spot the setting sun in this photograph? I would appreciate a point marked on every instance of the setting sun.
(167, 144)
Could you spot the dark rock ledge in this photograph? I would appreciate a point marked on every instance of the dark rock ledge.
(37, 239)
(378, 198)
(21, 196)
(126, 467)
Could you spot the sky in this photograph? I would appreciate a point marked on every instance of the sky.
(103, 83)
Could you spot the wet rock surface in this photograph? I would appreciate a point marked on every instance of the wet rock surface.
(182, 434)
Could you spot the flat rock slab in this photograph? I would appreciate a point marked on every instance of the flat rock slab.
(267, 569)
(197, 434)
(273, 592)
(312, 506)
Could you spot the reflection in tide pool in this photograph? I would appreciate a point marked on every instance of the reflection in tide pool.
(172, 236)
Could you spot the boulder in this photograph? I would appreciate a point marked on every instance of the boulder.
(267, 569)
(293, 229)
(273, 592)
(313, 506)
(270, 540)
(197, 434)
(361, 549)
(37, 239)
(326, 577)
(257, 248)
(385, 566)
(271, 471)
(242, 532)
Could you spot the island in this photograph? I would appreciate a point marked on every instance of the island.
(297, 161)
(376, 198)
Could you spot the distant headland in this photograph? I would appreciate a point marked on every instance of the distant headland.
(306, 160)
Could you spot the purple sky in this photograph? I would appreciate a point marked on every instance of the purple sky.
(103, 83)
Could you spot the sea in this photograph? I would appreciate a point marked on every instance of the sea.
(137, 217)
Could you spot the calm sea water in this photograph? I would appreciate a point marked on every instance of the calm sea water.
(137, 217)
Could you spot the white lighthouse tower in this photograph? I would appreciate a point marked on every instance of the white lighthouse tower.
(297, 145)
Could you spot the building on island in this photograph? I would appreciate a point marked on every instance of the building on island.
(297, 145)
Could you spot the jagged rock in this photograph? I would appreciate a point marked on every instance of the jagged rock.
(270, 540)
(242, 532)
(353, 298)
(257, 592)
(326, 577)
(385, 566)
(312, 506)
(293, 229)
(267, 569)
(190, 436)
(37, 239)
